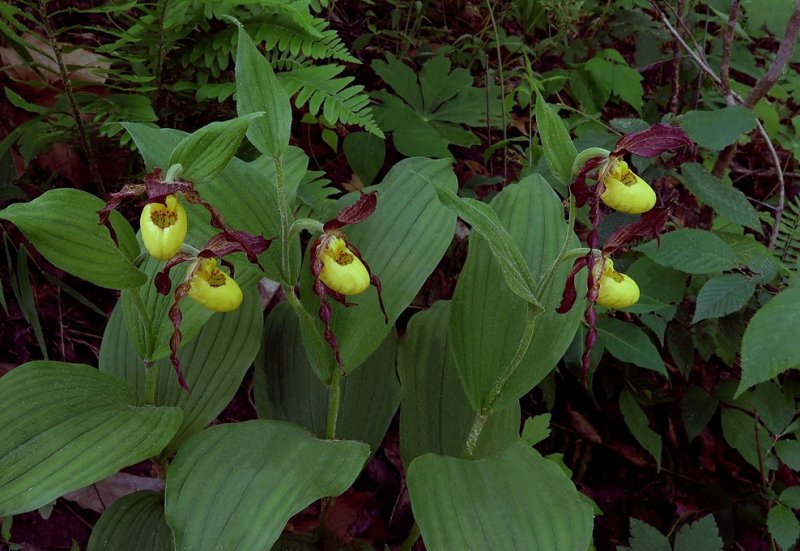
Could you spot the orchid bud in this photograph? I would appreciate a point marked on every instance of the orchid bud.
(625, 191)
(616, 290)
(163, 227)
(342, 271)
(213, 288)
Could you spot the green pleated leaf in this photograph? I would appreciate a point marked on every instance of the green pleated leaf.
(487, 318)
(235, 486)
(559, 151)
(205, 152)
(726, 200)
(631, 344)
(692, 251)
(769, 345)
(215, 362)
(63, 226)
(403, 242)
(257, 89)
(722, 295)
(133, 523)
(243, 194)
(518, 500)
(436, 415)
(66, 426)
(287, 389)
(639, 425)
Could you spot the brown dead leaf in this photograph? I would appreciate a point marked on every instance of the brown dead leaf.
(99, 496)
(82, 65)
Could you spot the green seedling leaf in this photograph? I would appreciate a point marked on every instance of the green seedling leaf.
(63, 226)
(205, 152)
(692, 251)
(559, 151)
(287, 389)
(727, 201)
(257, 90)
(456, 505)
(132, 523)
(86, 429)
(436, 415)
(639, 425)
(719, 128)
(722, 295)
(768, 346)
(235, 486)
(629, 343)
(701, 535)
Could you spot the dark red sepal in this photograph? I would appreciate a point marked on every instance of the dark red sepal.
(355, 213)
(176, 317)
(570, 292)
(579, 189)
(654, 141)
(650, 224)
(162, 280)
(373, 280)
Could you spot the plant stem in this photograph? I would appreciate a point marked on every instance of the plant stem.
(136, 298)
(151, 377)
(158, 69)
(502, 89)
(334, 399)
(412, 538)
(474, 434)
(547, 278)
(86, 144)
(313, 226)
(283, 209)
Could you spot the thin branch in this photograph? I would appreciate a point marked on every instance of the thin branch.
(727, 42)
(781, 185)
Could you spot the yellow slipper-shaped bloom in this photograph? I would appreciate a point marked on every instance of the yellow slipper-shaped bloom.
(342, 271)
(213, 288)
(625, 191)
(616, 290)
(163, 228)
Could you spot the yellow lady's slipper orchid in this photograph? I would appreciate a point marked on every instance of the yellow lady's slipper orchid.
(616, 290)
(163, 227)
(625, 191)
(342, 271)
(213, 288)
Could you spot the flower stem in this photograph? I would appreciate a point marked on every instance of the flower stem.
(547, 278)
(313, 226)
(474, 435)
(151, 377)
(334, 399)
(136, 298)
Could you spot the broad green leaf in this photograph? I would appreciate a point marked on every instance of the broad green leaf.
(646, 538)
(719, 128)
(214, 363)
(402, 79)
(701, 535)
(243, 193)
(403, 242)
(488, 318)
(774, 14)
(365, 153)
(722, 295)
(629, 343)
(518, 500)
(727, 201)
(639, 425)
(63, 226)
(286, 388)
(783, 526)
(775, 407)
(769, 345)
(791, 497)
(205, 152)
(697, 409)
(439, 84)
(413, 136)
(692, 251)
(739, 431)
(133, 523)
(436, 416)
(69, 427)
(659, 287)
(559, 151)
(788, 451)
(257, 89)
(234, 486)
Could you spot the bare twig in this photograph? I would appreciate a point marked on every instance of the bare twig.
(675, 100)
(727, 42)
(781, 185)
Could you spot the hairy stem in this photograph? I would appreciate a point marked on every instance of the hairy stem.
(86, 144)
(151, 377)
(334, 399)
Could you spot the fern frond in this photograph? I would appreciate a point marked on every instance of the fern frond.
(318, 87)
(787, 243)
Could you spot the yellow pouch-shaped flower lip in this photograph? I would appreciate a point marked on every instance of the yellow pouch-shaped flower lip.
(342, 271)
(616, 290)
(625, 191)
(213, 288)
(163, 227)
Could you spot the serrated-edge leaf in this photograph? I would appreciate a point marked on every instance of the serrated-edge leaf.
(727, 201)
(722, 295)
(629, 343)
(783, 526)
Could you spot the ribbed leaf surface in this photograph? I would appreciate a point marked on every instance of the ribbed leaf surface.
(518, 500)
(235, 486)
(133, 523)
(65, 426)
